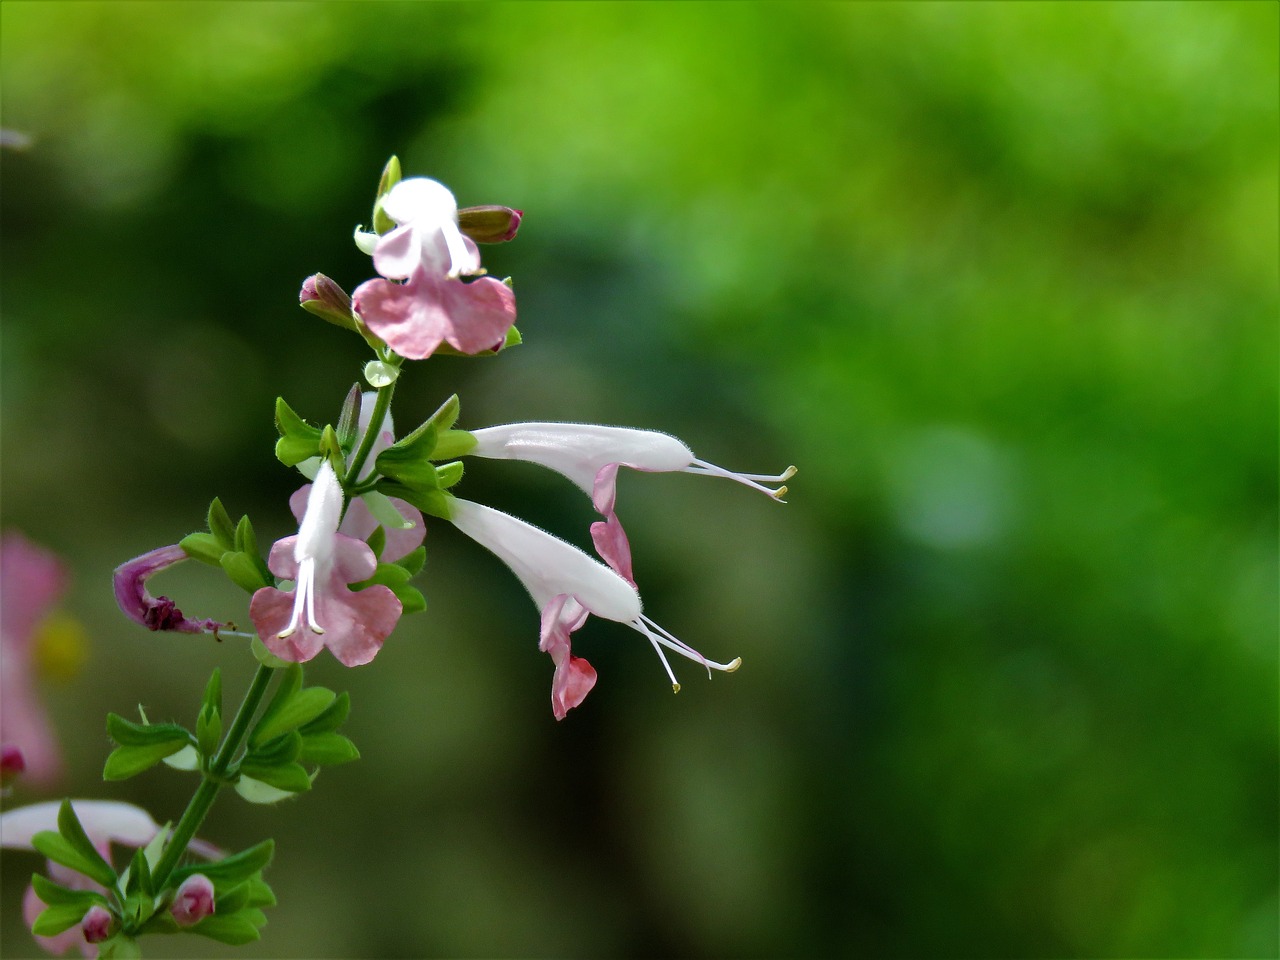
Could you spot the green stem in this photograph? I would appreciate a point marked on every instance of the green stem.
(380, 407)
(205, 794)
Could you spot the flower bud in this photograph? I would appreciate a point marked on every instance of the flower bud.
(491, 224)
(12, 762)
(193, 901)
(327, 300)
(96, 924)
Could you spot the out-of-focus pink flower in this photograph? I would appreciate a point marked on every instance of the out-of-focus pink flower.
(105, 822)
(193, 900)
(31, 580)
(154, 613)
(430, 253)
(321, 610)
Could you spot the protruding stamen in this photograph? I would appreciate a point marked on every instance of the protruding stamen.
(659, 638)
(304, 598)
(756, 481)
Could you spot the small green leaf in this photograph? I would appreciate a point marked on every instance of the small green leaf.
(245, 571)
(446, 415)
(334, 717)
(235, 899)
(298, 439)
(71, 830)
(230, 871)
(125, 762)
(55, 919)
(414, 561)
(140, 875)
(377, 540)
(303, 707)
(129, 734)
(260, 894)
(327, 749)
(411, 599)
(428, 499)
(290, 777)
(220, 526)
(54, 894)
(274, 752)
(204, 547)
(408, 460)
(236, 929)
(349, 419)
(289, 684)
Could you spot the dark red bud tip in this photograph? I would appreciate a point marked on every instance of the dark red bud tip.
(490, 224)
(12, 761)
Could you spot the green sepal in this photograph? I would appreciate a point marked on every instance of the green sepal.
(408, 460)
(430, 501)
(448, 474)
(331, 448)
(140, 875)
(377, 540)
(54, 894)
(246, 571)
(334, 717)
(413, 561)
(203, 547)
(208, 731)
(220, 525)
(452, 444)
(125, 762)
(129, 734)
(446, 414)
(298, 439)
(229, 871)
(390, 177)
(290, 777)
(55, 919)
(213, 692)
(349, 420)
(72, 848)
(235, 929)
(265, 656)
(303, 707)
(327, 749)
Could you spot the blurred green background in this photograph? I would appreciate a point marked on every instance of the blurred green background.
(1001, 280)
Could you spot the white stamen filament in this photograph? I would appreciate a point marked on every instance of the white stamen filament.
(659, 638)
(756, 481)
(304, 595)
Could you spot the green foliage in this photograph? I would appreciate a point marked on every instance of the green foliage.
(298, 439)
(72, 848)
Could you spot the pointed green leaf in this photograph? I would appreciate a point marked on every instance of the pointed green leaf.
(291, 777)
(327, 749)
(377, 540)
(236, 929)
(349, 419)
(298, 439)
(54, 894)
(213, 691)
(140, 875)
(120, 947)
(125, 762)
(409, 460)
(260, 894)
(220, 526)
(334, 717)
(429, 500)
(55, 919)
(230, 871)
(204, 547)
(411, 599)
(71, 830)
(235, 899)
(274, 752)
(413, 561)
(245, 571)
(302, 707)
(129, 734)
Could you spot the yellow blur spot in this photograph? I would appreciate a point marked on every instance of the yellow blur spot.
(61, 647)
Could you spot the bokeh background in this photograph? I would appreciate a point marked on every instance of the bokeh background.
(1002, 281)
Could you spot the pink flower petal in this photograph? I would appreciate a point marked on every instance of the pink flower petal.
(574, 677)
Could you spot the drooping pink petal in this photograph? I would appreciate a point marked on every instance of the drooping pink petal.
(611, 543)
(574, 676)
(154, 613)
(414, 318)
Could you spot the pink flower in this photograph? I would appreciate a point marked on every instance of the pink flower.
(105, 822)
(31, 580)
(401, 521)
(429, 252)
(567, 585)
(193, 900)
(321, 610)
(96, 924)
(154, 613)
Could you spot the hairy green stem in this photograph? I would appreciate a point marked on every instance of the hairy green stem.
(205, 794)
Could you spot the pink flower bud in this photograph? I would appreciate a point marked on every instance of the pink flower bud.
(12, 762)
(96, 924)
(327, 300)
(193, 901)
(489, 224)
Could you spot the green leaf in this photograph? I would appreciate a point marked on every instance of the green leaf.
(453, 444)
(446, 415)
(246, 571)
(298, 439)
(334, 717)
(290, 777)
(220, 526)
(236, 929)
(408, 460)
(55, 919)
(129, 734)
(429, 500)
(265, 656)
(274, 752)
(71, 830)
(377, 540)
(235, 899)
(230, 871)
(413, 562)
(125, 762)
(54, 894)
(411, 599)
(449, 474)
(303, 707)
(120, 947)
(349, 419)
(289, 684)
(140, 875)
(260, 894)
(327, 749)
(204, 547)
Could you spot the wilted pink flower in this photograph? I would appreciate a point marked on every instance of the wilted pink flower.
(105, 822)
(193, 900)
(429, 252)
(31, 580)
(566, 584)
(154, 613)
(321, 610)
